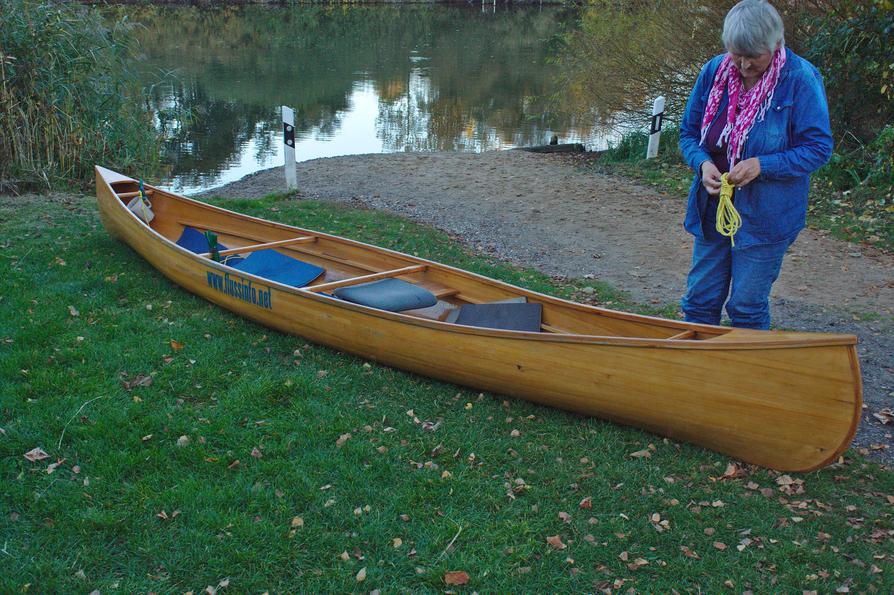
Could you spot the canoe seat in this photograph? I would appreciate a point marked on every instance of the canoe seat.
(195, 241)
(453, 314)
(393, 295)
(506, 316)
(278, 267)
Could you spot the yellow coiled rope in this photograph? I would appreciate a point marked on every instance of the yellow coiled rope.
(728, 219)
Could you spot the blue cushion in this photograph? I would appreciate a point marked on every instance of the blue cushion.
(393, 295)
(195, 241)
(278, 267)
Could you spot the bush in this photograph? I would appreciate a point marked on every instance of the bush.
(67, 97)
(852, 47)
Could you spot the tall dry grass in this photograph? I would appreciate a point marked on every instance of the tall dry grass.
(68, 98)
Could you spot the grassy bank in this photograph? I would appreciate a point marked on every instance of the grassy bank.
(851, 206)
(191, 448)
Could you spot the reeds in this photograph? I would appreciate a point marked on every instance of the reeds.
(67, 97)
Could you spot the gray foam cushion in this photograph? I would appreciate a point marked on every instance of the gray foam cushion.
(393, 295)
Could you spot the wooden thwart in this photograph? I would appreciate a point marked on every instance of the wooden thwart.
(125, 195)
(256, 247)
(417, 268)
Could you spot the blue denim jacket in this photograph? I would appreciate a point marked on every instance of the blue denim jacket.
(792, 141)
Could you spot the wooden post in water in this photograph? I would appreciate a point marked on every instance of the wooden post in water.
(655, 127)
(288, 136)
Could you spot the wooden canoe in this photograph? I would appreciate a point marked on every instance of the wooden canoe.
(785, 400)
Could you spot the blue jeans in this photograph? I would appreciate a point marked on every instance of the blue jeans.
(745, 275)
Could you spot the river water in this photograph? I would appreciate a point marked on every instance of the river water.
(362, 79)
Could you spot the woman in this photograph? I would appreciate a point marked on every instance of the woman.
(759, 113)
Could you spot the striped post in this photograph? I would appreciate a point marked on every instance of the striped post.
(655, 127)
(288, 137)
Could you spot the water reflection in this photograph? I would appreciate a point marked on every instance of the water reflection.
(362, 80)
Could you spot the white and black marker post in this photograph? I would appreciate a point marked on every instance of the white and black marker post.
(655, 127)
(288, 138)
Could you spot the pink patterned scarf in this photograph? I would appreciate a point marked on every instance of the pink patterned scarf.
(745, 107)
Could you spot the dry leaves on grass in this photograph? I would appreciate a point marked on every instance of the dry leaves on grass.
(586, 503)
(790, 486)
(176, 345)
(52, 466)
(456, 577)
(342, 439)
(138, 380)
(556, 542)
(36, 454)
(73, 311)
(166, 517)
(733, 471)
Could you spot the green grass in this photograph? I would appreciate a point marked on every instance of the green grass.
(235, 387)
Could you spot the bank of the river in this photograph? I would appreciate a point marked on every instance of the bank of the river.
(545, 212)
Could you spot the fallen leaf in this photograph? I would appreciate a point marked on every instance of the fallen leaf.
(645, 453)
(182, 441)
(456, 577)
(176, 345)
(138, 380)
(733, 471)
(256, 453)
(565, 517)
(146, 438)
(297, 522)
(73, 311)
(52, 466)
(586, 503)
(556, 542)
(342, 439)
(397, 542)
(36, 454)
(719, 545)
(361, 576)
(689, 553)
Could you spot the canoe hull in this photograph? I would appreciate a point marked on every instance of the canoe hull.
(792, 408)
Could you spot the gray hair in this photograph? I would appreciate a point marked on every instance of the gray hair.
(753, 27)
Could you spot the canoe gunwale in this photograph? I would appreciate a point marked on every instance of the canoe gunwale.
(715, 344)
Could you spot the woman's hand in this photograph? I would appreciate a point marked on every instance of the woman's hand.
(710, 177)
(744, 172)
